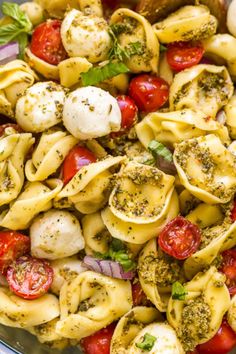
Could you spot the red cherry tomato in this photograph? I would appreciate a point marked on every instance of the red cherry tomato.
(9, 125)
(99, 342)
(183, 55)
(129, 115)
(180, 238)
(139, 297)
(222, 343)
(229, 269)
(77, 158)
(46, 42)
(29, 277)
(233, 212)
(149, 92)
(12, 245)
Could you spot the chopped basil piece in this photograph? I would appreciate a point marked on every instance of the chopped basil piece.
(147, 342)
(178, 291)
(158, 149)
(102, 73)
(162, 48)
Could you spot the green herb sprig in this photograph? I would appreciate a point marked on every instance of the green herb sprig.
(147, 342)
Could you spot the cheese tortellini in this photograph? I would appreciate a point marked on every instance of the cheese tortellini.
(90, 302)
(187, 23)
(231, 315)
(230, 113)
(208, 87)
(174, 127)
(198, 317)
(199, 165)
(56, 234)
(135, 30)
(15, 77)
(49, 71)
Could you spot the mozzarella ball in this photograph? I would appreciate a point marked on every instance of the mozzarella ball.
(40, 107)
(231, 14)
(85, 36)
(166, 340)
(90, 112)
(65, 269)
(33, 11)
(56, 234)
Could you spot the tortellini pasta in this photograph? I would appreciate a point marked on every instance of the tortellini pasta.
(139, 233)
(135, 30)
(214, 240)
(57, 8)
(174, 127)
(17, 312)
(53, 147)
(230, 112)
(68, 68)
(130, 325)
(208, 87)
(41, 107)
(141, 194)
(205, 215)
(157, 272)
(231, 315)
(186, 24)
(56, 234)
(35, 198)
(87, 189)
(199, 165)
(33, 11)
(198, 317)
(223, 47)
(89, 303)
(14, 147)
(76, 27)
(48, 71)
(15, 77)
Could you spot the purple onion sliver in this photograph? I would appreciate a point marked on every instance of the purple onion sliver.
(116, 270)
(93, 264)
(106, 269)
(166, 166)
(8, 52)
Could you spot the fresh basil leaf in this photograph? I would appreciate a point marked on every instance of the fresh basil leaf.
(99, 74)
(117, 245)
(178, 291)
(162, 48)
(149, 162)
(9, 32)
(13, 10)
(147, 342)
(158, 149)
(22, 39)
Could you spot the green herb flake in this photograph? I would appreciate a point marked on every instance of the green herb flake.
(158, 149)
(162, 48)
(17, 30)
(147, 342)
(178, 291)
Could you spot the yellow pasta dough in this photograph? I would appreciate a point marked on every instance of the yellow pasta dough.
(70, 70)
(49, 71)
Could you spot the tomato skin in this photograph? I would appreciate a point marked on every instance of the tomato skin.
(149, 92)
(77, 158)
(138, 295)
(99, 342)
(228, 267)
(233, 212)
(29, 277)
(10, 125)
(180, 238)
(183, 55)
(12, 245)
(222, 343)
(46, 42)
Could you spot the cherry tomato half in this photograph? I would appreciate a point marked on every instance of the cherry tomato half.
(149, 92)
(77, 158)
(12, 245)
(129, 114)
(46, 42)
(180, 238)
(233, 212)
(139, 297)
(222, 343)
(229, 269)
(99, 342)
(29, 277)
(10, 125)
(183, 55)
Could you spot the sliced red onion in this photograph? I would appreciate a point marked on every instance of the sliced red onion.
(8, 52)
(221, 117)
(208, 61)
(107, 267)
(166, 166)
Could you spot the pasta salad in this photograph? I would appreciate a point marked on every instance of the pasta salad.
(118, 174)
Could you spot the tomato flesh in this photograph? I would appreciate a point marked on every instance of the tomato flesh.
(139, 297)
(10, 125)
(229, 269)
(233, 212)
(222, 343)
(183, 55)
(149, 92)
(77, 158)
(12, 245)
(46, 42)
(99, 342)
(180, 238)
(29, 277)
